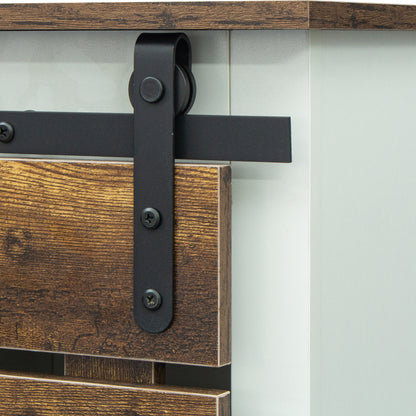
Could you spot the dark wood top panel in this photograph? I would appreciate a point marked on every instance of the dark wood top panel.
(155, 15)
(212, 15)
(334, 15)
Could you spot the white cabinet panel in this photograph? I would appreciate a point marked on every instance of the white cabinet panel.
(270, 371)
(90, 71)
(363, 223)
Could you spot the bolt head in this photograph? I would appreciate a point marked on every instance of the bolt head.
(6, 132)
(152, 299)
(150, 218)
(151, 89)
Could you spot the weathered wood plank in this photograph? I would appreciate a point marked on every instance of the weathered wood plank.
(214, 15)
(35, 396)
(225, 264)
(155, 15)
(114, 370)
(66, 262)
(337, 15)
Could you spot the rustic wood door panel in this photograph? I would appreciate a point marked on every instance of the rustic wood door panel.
(66, 262)
(39, 396)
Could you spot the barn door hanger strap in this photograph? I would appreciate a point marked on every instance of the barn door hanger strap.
(162, 90)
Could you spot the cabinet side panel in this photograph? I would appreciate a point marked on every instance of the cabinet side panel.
(270, 372)
(363, 223)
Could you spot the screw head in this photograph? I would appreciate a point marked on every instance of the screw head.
(6, 132)
(152, 299)
(151, 89)
(150, 218)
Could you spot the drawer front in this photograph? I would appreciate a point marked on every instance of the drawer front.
(37, 396)
(66, 262)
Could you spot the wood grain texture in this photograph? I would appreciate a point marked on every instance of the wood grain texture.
(35, 396)
(155, 15)
(224, 303)
(212, 15)
(66, 262)
(334, 15)
(114, 370)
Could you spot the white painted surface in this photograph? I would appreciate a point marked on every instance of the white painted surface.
(363, 223)
(270, 371)
(90, 71)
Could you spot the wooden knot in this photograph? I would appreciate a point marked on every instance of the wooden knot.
(18, 244)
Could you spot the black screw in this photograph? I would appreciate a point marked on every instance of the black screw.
(151, 89)
(150, 218)
(152, 299)
(6, 132)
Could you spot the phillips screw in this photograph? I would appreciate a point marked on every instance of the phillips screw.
(152, 299)
(6, 132)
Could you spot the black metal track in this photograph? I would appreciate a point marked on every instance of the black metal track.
(249, 139)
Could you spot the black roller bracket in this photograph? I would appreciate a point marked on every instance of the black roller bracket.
(162, 90)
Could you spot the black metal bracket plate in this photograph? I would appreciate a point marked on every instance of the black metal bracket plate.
(155, 60)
